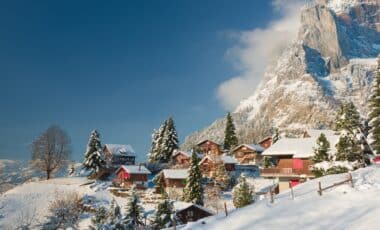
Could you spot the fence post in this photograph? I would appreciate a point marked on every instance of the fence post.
(319, 188)
(271, 196)
(291, 190)
(351, 180)
(225, 209)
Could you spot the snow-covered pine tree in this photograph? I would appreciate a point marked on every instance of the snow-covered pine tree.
(374, 114)
(114, 213)
(193, 191)
(348, 118)
(242, 193)
(155, 154)
(230, 138)
(170, 141)
(100, 218)
(94, 157)
(221, 176)
(322, 151)
(162, 217)
(133, 211)
(276, 135)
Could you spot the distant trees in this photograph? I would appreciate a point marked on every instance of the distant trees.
(374, 114)
(51, 150)
(230, 138)
(94, 157)
(164, 142)
(193, 191)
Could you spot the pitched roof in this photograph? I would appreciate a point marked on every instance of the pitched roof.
(298, 147)
(201, 142)
(224, 158)
(264, 139)
(134, 169)
(180, 206)
(116, 149)
(200, 155)
(254, 147)
(175, 173)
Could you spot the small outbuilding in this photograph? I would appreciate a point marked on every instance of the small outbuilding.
(188, 212)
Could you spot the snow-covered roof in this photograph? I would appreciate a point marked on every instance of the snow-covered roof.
(175, 173)
(180, 206)
(298, 147)
(264, 139)
(254, 147)
(135, 169)
(200, 155)
(226, 159)
(315, 133)
(201, 142)
(116, 149)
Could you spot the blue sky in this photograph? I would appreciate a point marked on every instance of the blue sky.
(121, 67)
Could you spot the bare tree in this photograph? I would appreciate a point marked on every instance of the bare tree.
(51, 150)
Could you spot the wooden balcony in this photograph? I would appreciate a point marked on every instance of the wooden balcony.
(285, 172)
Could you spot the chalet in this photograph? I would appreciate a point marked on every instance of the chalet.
(266, 142)
(117, 155)
(248, 154)
(208, 147)
(189, 212)
(208, 164)
(174, 178)
(128, 175)
(293, 159)
(182, 159)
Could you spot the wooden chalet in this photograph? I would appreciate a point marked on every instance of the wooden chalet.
(189, 212)
(182, 159)
(128, 175)
(117, 155)
(209, 147)
(174, 178)
(248, 154)
(293, 157)
(209, 163)
(266, 142)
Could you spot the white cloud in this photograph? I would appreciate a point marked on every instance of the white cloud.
(256, 48)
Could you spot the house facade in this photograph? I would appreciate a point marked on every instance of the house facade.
(117, 155)
(182, 159)
(248, 154)
(293, 159)
(128, 175)
(188, 212)
(209, 147)
(209, 164)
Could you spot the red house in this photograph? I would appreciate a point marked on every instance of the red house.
(128, 175)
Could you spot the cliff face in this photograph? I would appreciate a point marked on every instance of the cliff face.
(333, 59)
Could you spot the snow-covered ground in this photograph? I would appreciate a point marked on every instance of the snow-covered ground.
(341, 207)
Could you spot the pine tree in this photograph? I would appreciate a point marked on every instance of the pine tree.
(193, 191)
(242, 194)
(221, 176)
(276, 135)
(374, 114)
(348, 118)
(230, 139)
(133, 211)
(114, 214)
(164, 142)
(170, 141)
(94, 157)
(162, 217)
(267, 162)
(322, 152)
(100, 217)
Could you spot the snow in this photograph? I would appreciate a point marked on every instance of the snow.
(315, 133)
(116, 149)
(228, 159)
(342, 5)
(298, 147)
(341, 207)
(175, 173)
(254, 147)
(180, 205)
(135, 169)
(325, 165)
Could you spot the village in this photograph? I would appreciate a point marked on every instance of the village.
(214, 178)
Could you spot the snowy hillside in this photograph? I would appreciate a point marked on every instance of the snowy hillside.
(333, 58)
(341, 207)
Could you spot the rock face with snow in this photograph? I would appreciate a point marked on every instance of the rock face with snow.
(333, 59)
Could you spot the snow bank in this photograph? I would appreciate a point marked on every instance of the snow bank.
(341, 207)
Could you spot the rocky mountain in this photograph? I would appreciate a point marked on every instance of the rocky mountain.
(332, 59)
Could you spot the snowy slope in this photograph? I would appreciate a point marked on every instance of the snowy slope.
(341, 207)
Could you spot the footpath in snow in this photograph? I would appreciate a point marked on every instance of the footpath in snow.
(341, 207)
